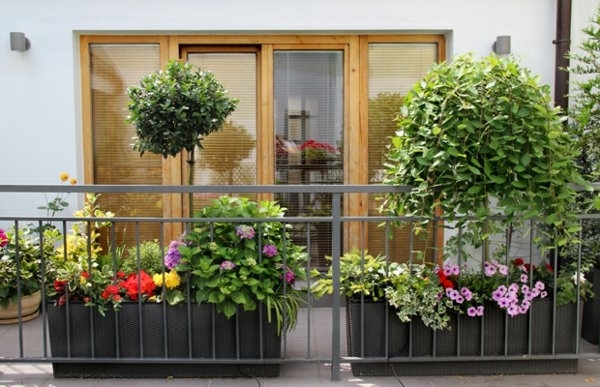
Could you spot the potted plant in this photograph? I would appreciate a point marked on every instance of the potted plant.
(239, 266)
(584, 127)
(174, 109)
(479, 138)
(315, 152)
(363, 282)
(21, 251)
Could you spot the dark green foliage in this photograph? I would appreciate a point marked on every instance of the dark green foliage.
(174, 109)
(478, 138)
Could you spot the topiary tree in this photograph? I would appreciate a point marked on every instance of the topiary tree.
(173, 110)
(479, 138)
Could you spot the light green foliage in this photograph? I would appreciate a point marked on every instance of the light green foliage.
(415, 292)
(477, 132)
(150, 258)
(361, 274)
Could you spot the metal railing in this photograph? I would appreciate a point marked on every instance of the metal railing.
(29, 341)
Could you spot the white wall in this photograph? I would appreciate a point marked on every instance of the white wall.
(40, 115)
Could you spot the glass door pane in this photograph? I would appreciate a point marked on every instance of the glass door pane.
(308, 108)
(393, 69)
(228, 156)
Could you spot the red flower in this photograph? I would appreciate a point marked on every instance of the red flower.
(518, 262)
(85, 274)
(120, 274)
(60, 286)
(110, 292)
(444, 281)
(136, 285)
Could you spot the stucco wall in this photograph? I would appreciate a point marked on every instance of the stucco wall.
(40, 118)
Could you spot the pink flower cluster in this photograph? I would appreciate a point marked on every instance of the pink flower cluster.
(517, 297)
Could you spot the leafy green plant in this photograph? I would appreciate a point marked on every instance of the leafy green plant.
(584, 126)
(241, 264)
(21, 251)
(415, 292)
(478, 138)
(150, 258)
(361, 274)
(174, 109)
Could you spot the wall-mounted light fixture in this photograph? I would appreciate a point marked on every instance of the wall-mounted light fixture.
(502, 45)
(19, 42)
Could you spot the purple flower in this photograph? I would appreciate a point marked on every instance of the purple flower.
(513, 310)
(472, 311)
(173, 255)
(245, 232)
(467, 294)
(490, 269)
(503, 269)
(270, 250)
(227, 265)
(499, 293)
(289, 277)
(480, 310)
(524, 278)
(539, 285)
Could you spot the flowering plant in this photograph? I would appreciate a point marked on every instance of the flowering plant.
(312, 149)
(242, 264)
(20, 257)
(414, 292)
(508, 286)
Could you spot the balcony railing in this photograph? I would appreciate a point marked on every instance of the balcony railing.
(321, 333)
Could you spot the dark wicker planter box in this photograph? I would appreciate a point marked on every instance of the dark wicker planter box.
(502, 335)
(366, 324)
(591, 312)
(157, 331)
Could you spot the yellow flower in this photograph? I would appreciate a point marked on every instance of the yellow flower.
(64, 176)
(73, 181)
(172, 279)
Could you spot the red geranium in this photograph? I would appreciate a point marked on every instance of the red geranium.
(136, 284)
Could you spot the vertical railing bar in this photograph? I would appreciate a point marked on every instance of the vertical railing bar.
(139, 299)
(531, 283)
(362, 303)
(43, 289)
(260, 309)
(335, 308)
(113, 245)
(411, 243)
(309, 310)
(578, 301)
(90, 230)
(19, 311)
(459, 262)
(386, 247)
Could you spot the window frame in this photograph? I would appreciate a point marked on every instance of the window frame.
(355, 48)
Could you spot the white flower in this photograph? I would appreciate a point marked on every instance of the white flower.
(581, 277)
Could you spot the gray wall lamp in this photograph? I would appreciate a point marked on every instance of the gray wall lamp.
(502, 45)
(19, 42)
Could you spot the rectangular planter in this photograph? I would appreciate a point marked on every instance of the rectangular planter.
(590, 330)
(502, 335)
(146, 331)
(368, 323)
